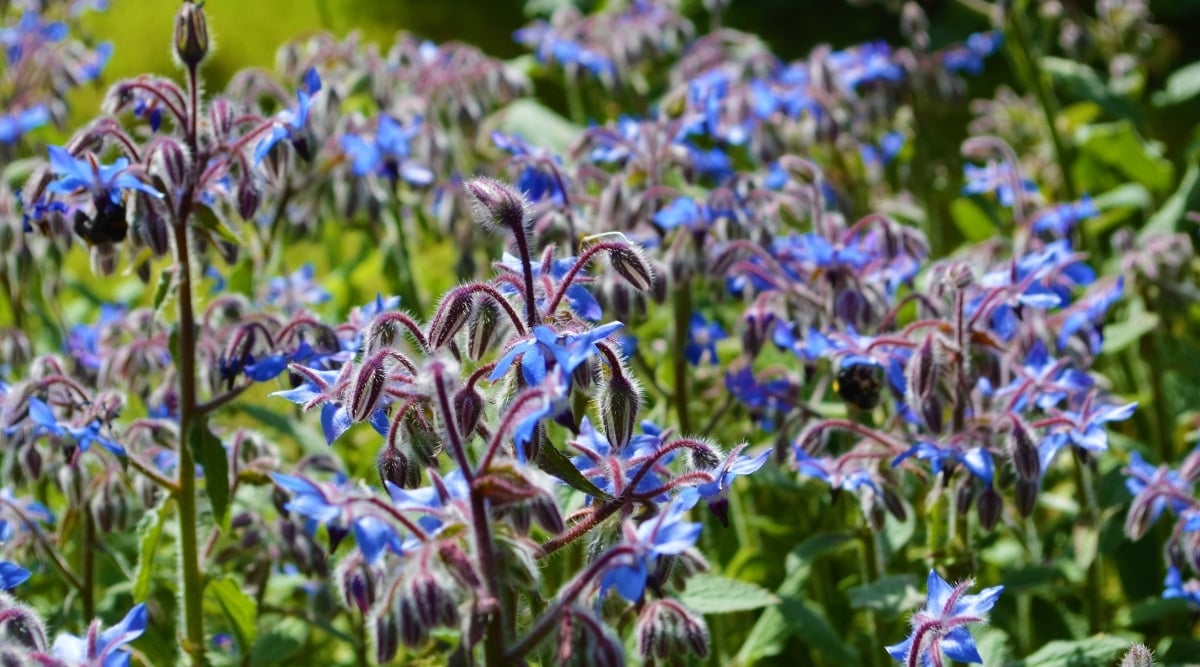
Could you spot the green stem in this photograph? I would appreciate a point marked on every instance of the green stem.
(193, 583)
(574, 100)
(936, 527)
(681, 301)
(189, 567)
(869, 567)
(1021, 51)
(1089, 521)
(88, 593)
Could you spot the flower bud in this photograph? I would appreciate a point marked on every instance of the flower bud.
(393, 466)
(468, 408)
(622, 399)
(989, 506)
(666, 631)
(191, 34)
(20, 625)
(1138, 656)
(631, 264)
(1024, 452)
(358, 583)
(248, 199)
(485, 323)
(1026, 493)
(895, 507)
(385, 636)
(367, 391)
(496, 204)
(965, 496)
(452, 314)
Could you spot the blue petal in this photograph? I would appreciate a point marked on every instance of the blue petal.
(11, 575)
(959, 645)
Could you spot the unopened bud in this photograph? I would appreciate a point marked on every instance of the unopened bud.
(989, 507)
(385, 636)
(191, 34)
(20, 626)
(1024, 452)
(468, 408)
(367, 392)
(248, 199)
(1026, 493)
(622, 401)
(452, 314)
(891, 501)
(631, 264)
(496, 204)
(394, 466)
(1138, 656)
(666, 631)
(483, 328)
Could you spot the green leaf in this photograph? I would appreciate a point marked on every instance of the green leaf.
(210, 454)
(1098, 650)
(714, 594)
(553, 461)
(1081, 82)
(772, 629)
(239, 608)
(280, 643)
(537, 124)
(893, 595)
(972, 220)
(808, 622)
(1129, 195)
(1119, 146)
(1182, 85)
(1120, 335)
(162, 290)
(1186, 198)
(149, 529)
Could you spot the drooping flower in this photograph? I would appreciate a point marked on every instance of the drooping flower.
(703, 335)
(388, 153)
(291, 124)
(105, 183)
(668, 534)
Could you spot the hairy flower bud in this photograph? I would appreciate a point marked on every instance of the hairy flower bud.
(622, 399)
(895, 506)
(452, 314)
(481, 332)
(248, 199)
(393, 466)
(367, 390)
(358, 583)
(20, 625)
(385, 635)
(496, 204)
(666, 631)
(989, 506)
(1024, 452)
(1138, 656)
(191, 34)
(631, 264)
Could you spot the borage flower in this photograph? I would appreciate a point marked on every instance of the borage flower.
(940, 628)
(668, 534)
(291, 124)
(102, 647)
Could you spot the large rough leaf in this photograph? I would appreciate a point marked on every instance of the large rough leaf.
(1170, 215)
(280, 643)
(714, 594)
(537, 124)
(1119, 146)
(772, 629)
(238, 607)
(1182, 85)
(1098, 650)
(808, 622)
(893, 595)
(211, 456)
(1080, 82)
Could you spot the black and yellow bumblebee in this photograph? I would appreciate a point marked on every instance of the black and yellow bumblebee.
(108, 225)
(859, 382)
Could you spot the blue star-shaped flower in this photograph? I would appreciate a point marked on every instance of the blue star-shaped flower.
(102, 182)
(387, 153)
(99, 647)
(940, 627)
(668, 534)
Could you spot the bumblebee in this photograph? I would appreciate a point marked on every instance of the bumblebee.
(860, 383)
(107, 226)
